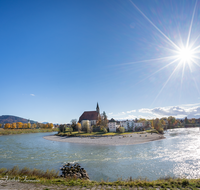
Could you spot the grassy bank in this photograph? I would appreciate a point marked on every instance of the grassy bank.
(77, 134)
(52, 177)
(23, 131)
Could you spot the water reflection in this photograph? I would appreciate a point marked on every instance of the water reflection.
(177, 155)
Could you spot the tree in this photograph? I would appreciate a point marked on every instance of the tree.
(158, 125)
(121, 130)
(50, 125)
(13, 126)
(162, 122)
(19, 125)
(99, 120)
(141, 119)
(73, 123)
(104, 120)
(7, 126)
(33, 126)
(78, 125)
(28, 125)
(70, 130)
(0, 125)
(171, 121)
(186, 120)
(25, 125)
(85, 126)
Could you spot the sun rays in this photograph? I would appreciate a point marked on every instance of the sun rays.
(181, 56)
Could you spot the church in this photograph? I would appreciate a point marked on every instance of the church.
(91, 116)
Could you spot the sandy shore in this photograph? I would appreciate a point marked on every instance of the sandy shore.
(114, 140)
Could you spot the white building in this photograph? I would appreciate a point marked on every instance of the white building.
(128, 125)
(112, 126)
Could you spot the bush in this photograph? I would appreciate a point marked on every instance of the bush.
(105, 130)
(121, 130)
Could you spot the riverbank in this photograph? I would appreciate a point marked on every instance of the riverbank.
(38, 179)
(24, 131)
(109, 140)
(119, 185)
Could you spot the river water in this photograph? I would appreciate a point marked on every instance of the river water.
(177, 156)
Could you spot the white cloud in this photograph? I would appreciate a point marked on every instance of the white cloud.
(129, 117)
(32, 94)
(110, 113)
(131, 111)
(188, 110)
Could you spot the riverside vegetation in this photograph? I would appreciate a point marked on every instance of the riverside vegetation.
(25, 131)
(53, 178)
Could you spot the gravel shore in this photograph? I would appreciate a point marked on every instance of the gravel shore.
(114, 140)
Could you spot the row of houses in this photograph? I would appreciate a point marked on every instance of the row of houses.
(129, 125)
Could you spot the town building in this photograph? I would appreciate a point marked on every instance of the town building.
(128, 125)
(90, 116)
(113, 125)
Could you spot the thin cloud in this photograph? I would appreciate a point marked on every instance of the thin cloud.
(32, 94)
(110, 113)
(132, 111)
(129, 117)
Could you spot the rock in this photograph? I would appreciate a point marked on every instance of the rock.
(75, 171)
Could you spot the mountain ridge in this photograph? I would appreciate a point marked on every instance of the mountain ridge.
(14, 119)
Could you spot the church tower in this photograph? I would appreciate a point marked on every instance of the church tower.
(97, 108)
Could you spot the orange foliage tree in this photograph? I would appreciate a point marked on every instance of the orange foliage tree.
(78, 125)
(13, 126)
(50, 125)
(19, 125)
(7, 126)
(25, 125)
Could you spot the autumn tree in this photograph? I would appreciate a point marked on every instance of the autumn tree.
(19, 125)
(171, 120)
(158, 125)
(78, 126)
(0, 125)
(50, 125)
(33, 126)
(104, 120)
(141, 119)
(7, 126)
(162, 121)
(25, 125)
(13, 126)
(99, 120)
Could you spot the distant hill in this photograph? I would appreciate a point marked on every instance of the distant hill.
(13, 119)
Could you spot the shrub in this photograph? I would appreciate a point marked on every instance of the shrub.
(105, 130)
(121, 130)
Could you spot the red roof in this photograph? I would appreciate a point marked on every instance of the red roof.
(89, 115)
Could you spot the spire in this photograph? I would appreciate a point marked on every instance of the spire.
(97, 108)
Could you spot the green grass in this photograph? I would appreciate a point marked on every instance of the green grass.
(22, 131)
(52, 177)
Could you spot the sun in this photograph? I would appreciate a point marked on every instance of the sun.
(185, 54)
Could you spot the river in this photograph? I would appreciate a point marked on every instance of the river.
(177, 156)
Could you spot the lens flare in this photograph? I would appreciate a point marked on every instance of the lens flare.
(186, 55)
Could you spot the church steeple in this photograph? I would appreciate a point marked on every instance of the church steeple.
(97, 108)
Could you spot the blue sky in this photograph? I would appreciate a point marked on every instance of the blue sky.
(58, 58)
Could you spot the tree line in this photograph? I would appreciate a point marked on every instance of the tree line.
(20, 125)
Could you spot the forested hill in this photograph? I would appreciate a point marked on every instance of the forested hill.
(13, 119)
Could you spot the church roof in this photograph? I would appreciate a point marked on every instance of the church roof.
(89, 115)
